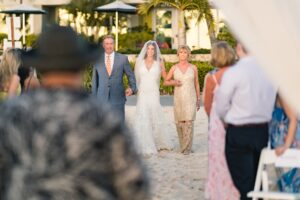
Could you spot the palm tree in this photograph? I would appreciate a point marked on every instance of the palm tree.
(204, 12)
(85, 8)
(201, 6)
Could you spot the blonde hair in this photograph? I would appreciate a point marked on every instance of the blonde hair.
(185, 47)
(222, 55)
(10, 63)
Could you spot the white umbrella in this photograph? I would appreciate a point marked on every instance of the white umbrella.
(117, 6)
(21, 9)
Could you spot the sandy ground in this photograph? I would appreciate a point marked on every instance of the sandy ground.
(175, 176)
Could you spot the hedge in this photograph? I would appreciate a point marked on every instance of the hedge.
(31, 40)
(163, 51)
(203, 69)
(2, 37)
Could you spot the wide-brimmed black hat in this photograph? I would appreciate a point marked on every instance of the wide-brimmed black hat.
(60, 49)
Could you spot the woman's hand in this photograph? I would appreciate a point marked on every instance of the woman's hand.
(280, 150)
(177, 83)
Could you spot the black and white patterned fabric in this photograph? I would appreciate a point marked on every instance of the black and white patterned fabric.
(62, 145)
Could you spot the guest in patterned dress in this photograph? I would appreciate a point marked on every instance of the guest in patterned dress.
(219, 184)
(284, 131)
(28, 79)
(186, 97)
(57, 142)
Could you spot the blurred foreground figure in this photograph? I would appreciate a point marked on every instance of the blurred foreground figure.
(56, 142)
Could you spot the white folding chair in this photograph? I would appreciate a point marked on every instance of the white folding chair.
(291, 158)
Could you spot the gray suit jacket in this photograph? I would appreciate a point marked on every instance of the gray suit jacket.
(110, 89)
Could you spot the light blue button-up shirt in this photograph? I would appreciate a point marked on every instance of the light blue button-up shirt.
(245, 95)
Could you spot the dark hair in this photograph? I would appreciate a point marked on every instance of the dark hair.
(151, 43)
(23, 73)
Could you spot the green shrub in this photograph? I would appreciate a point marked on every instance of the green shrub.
(203, 69)
(201, 51)
(129, 51)
(163, 51)
(88, 78)
(226, 35)
(168, 51)
(134, 40)
(31, 40)
(2, 37)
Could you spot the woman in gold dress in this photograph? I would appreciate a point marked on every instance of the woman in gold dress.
(186, 97)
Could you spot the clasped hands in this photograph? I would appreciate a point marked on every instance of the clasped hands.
(177, 83)
(128, 92)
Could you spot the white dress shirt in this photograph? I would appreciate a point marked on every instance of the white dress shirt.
(245, 95)
(112, 59)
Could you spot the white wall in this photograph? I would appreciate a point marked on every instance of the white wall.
(133, 20)
(197, 35)
(35, 21)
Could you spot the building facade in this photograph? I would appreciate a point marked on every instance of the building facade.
(35, 21)
(164, 21)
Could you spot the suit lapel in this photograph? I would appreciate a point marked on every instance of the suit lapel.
(102, 65)
(115, 63)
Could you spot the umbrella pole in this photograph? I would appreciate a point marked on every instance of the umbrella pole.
(24, 30)
(12, 31)
(117, 28)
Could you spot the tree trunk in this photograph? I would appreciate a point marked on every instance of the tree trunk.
(181, 29)
(211, 33)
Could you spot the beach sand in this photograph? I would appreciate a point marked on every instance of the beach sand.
(175, 176)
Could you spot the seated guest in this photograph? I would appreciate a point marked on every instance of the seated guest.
(57, 142)
(284, 130)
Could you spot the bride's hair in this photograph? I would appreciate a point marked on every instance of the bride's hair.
(152, 43)
(140, 61)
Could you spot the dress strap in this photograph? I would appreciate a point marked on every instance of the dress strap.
(215, 79)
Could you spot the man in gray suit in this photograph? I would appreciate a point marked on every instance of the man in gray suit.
(107, 82)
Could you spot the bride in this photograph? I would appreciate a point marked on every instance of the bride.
(150, 129)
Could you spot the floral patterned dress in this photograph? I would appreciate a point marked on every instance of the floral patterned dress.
(219, 184)
(63, 144)
(288, 181)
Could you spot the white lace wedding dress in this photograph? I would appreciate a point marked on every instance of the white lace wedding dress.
(150, 127)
